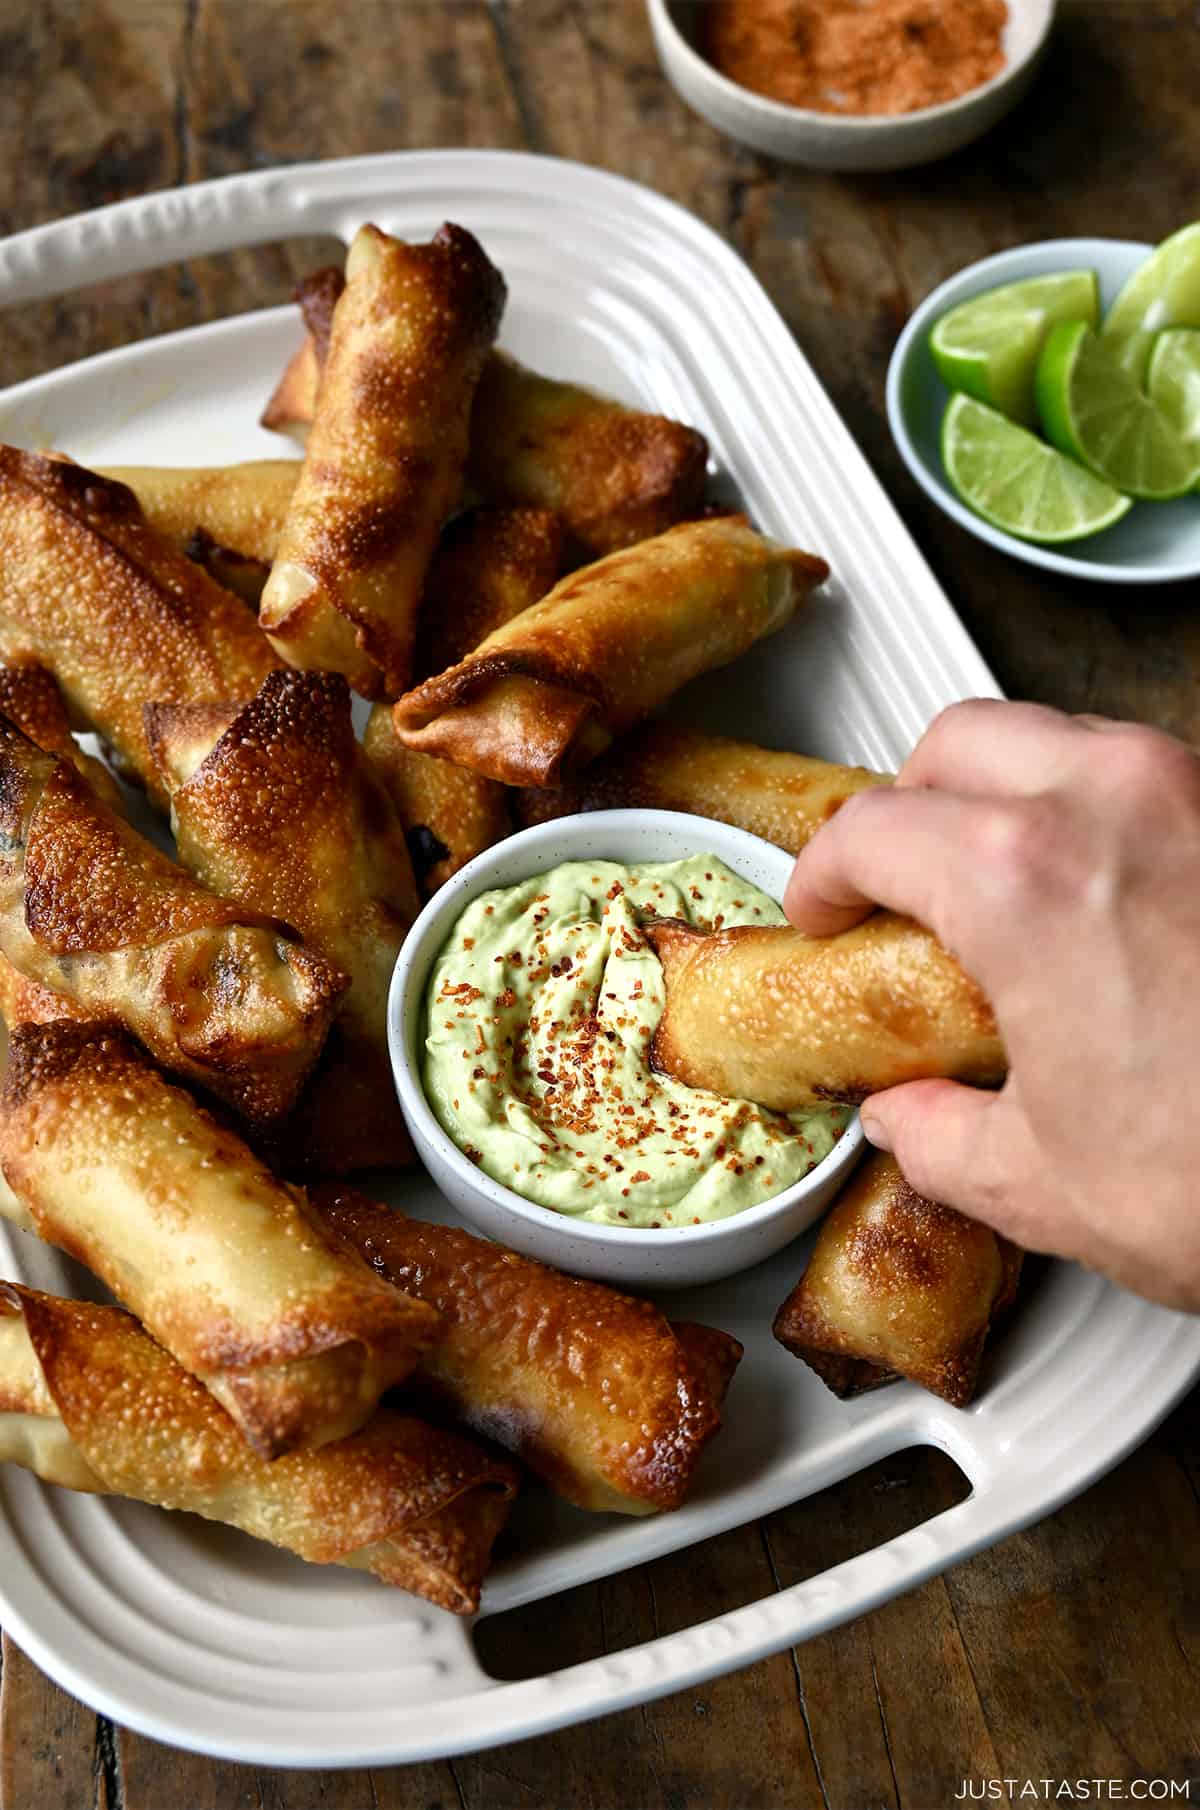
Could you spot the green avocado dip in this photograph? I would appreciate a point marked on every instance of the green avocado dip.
(538, 1021)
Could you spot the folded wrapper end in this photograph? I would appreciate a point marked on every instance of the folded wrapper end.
(509, 726)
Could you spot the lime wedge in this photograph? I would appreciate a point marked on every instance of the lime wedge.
(1093, 410)
(989, 346)
(1163, 292)
(1173, 382)
(1017, 482)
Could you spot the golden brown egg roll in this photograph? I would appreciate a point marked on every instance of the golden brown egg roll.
(792, 1021)
(274, 805)
(90, 909)
(417, 1506)
(240, 507)
(227, 1267)
(490, 565)
(784, 798)
(614, 474)
(30, 698)
(549, 691)
(120, 616)
(384, 462)
(898, 1286)
(592, 1389)
(238, 572)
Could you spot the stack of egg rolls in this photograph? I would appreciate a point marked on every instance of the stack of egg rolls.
(417, 1506)
(224, 996)
(613, 474)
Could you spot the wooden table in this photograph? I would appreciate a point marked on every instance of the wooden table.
(1071, 1650)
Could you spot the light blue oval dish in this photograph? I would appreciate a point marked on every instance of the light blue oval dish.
(1156, 543)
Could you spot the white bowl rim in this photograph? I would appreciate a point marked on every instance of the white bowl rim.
(944, 296)
(861, 124)
(440, 913)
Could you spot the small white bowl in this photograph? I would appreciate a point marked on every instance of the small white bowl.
(672, 1257)
(839, 141)
(1156, 543)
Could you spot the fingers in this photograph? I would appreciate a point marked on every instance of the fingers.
(988, 746)
(889, 848)
(952, 1143)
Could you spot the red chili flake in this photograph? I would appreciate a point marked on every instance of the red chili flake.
(468, 942)
(473, 1155)
(478, 1074)
(641, 1175)
(695, 893)
(507, 998)
(488, 910)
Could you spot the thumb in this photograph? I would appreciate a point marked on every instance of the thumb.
(946, 1139)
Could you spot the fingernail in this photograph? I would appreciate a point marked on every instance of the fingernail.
(875, 1131)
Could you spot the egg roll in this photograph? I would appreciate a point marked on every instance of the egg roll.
(791, 1021)
(898, 1286)
(417, 1506)
(119, 615)
(491, 564)
(275, 806)
(222, 995)
(30, 698)
(226, 1266)
(784, 798)
(239, 507)
(591, 1389)
(614, 474)
(550, 690)
(384, 463)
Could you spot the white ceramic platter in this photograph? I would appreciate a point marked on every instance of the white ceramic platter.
(201, 1637)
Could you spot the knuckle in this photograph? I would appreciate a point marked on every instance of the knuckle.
(1022, 841)
(1152, 767)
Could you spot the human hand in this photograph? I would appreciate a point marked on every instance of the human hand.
(1059, 859)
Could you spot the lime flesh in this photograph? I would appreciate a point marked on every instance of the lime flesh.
(989, 346)
(1163, 292)
(1093, 410)
(1017, 482)
(1173, 383)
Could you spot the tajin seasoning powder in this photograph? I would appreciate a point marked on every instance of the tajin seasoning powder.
(856, 56)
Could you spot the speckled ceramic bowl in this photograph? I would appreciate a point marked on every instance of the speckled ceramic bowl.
(673, 1256)
(839, 141)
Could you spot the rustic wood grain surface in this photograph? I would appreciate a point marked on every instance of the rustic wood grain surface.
(1071, 1651)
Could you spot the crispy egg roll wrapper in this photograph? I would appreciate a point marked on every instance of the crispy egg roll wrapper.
(898, 1286)
(614, 474)
(784, 798)
(490, 565)
(550, 690)
(92, 910)
(227, 1267)
(384, 462)
(240, 507)
(274, 805)
(592, 1389)
(416, 1505)
(120, 616)
(30, 698)
(792, 1021)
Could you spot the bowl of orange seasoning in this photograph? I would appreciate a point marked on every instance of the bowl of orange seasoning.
(852, 84)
